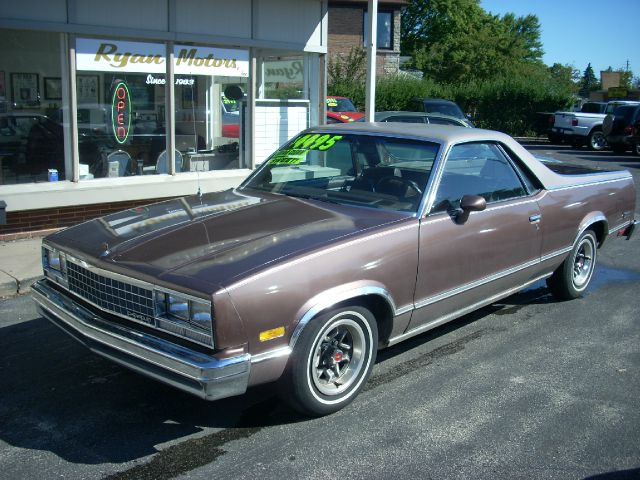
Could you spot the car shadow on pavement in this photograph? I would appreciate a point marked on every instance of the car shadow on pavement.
(535, 294)
(58, 396)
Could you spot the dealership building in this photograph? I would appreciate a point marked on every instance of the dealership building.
(109, 105)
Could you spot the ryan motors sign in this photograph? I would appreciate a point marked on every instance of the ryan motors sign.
(119, 56)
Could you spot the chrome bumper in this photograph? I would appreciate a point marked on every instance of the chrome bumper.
(189, 370)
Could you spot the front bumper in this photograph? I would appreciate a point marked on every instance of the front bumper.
(191, 371)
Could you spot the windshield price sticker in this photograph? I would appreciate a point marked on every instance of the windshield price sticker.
(316, 141)
(290, 156)
(297, 152)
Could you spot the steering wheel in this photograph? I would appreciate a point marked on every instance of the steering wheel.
(397, 186)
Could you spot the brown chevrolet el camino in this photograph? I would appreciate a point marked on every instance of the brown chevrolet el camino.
(348, 239)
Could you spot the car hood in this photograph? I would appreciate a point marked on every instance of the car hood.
(346, 116)
(205, 242)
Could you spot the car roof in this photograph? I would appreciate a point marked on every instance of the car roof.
(429, 132)
(404, 113)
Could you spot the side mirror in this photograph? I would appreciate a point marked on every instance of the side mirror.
(468, 204)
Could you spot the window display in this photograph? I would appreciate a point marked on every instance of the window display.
(31, 131)
(124, 133)
(209, 122)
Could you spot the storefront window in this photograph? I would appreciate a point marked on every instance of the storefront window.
(31, 130)
(210, 100)
(283, 77)
(121, 108)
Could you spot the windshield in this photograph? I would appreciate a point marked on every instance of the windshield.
(340, 105)
(371, 171)
(450, 109)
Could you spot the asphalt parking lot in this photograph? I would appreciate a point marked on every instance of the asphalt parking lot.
(526, 388)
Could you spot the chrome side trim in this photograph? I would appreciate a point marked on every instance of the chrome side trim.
(192, 371)
(463, 311)
(555, 253)
(478, 283)
(275, 353)
(588, 184)
(620, 227)
(405, 309)
(333, 299)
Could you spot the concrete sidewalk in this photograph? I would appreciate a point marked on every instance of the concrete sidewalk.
(20, 265)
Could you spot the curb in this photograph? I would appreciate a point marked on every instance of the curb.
(9, 288)
(15, 287)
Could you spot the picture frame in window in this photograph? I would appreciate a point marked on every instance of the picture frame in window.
(25, 91)
(88, 89)
(189, 95)
(52, 88)
(3, 87)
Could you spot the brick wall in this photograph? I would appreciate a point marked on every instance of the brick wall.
(24, 224)
(346, 30)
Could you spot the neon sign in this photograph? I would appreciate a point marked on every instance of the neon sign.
(121, 112)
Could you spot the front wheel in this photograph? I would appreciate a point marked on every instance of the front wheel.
(573, 276)
(636, 148)
(331, 361)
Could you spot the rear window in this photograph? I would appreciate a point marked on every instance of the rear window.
(625, 111)
(592, 108)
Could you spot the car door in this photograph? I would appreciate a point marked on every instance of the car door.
(465, 262)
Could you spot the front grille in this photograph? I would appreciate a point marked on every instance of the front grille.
(112, 295)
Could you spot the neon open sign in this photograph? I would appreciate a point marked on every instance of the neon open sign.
(121, 112)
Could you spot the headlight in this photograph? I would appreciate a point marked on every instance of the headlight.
(54, 263)
(184, 315)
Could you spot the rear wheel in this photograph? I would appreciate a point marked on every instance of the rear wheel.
(636, 148)
(596, 140)
(573, 276)
(331, 361)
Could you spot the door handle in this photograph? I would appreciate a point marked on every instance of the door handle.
(535, 218)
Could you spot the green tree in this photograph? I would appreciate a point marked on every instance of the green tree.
(456, 41)
(566, 76)
(588, 82)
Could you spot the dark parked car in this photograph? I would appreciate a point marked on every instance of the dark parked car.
(440, 106)
(635, 139)
(349, 238)
(618, 127)
(420, 117)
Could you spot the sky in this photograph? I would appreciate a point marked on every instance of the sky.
(577, 32)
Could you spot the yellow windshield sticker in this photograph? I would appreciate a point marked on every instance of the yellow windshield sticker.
(297, 152)
(289, 156)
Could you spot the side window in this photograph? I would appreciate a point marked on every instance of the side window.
(476, 169)
(442, 121)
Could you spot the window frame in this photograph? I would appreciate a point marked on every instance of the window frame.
(520, 174)
(391, 29)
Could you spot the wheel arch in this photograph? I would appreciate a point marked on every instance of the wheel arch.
(597, 222)
(375, 298)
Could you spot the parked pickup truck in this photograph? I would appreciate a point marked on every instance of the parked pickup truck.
(350, 238)
(584, 127)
